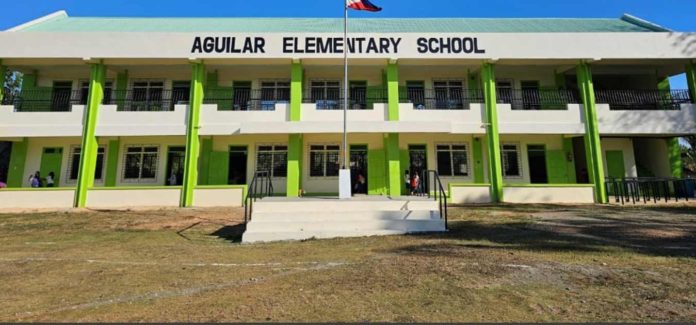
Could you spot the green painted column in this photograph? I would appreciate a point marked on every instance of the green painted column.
(691, 80)
(393, 91)
(192, 138)
(477, 150)
(90, 145)
(112, 163)
(393, 157)
(495, 171)
(18, 158)
(294, 177)
(296, 77)
(593, 144)
(675, 157)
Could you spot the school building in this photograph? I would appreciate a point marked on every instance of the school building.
(188, 111)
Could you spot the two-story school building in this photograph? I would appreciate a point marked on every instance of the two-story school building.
(185, 111)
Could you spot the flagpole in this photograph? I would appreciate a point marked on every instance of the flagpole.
(346, 158)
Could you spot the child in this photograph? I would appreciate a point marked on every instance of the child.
(34, 180)
(50, 179)
(407, 181)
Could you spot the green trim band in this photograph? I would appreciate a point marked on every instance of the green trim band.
(495, 172)
(19, 189)
(130, 188)
(469, 185)
(192, 140)
(90, 145)
(549, 185)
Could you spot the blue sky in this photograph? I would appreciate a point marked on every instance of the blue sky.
(679, 15)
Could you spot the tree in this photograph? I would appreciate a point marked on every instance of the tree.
(689, 154)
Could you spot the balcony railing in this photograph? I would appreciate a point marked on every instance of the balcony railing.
(537, 99)
(246, 99)
(651, 99)
(42, 100)
(444, 98)
(332, 98)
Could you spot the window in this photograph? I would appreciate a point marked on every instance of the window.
(324, 160)
(326, 94)
(272, 158)
(140, 163)
(511, 160)
(62, 91)
(448, 94)
(531, 96)
(84, 92)
(74, 164)
(181, 91)
(241, 95)
(358, 95)
(452, 160)
(274, 91)
(504, 89)
(416, 93)
(147, 96)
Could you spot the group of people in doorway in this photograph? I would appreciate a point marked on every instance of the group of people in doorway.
(36, 181)
(414, 184)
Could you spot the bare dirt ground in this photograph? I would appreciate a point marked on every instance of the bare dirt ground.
(497, 263)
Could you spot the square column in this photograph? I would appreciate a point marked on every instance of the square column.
(495, 171)
(393, 90)
(691, 80)
(294, 176)
(193, 142)
(393, 165)
(90, 146)
(296, 78)
(593, 145)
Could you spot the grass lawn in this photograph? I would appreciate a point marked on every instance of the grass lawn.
(498, 263)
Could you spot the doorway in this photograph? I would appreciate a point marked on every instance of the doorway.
(175, 165)
(51, 162)
(358, 169)
(237, 166)
(536, 156)
(581, 169)
(419, 164)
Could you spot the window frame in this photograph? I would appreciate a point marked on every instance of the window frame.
(325, 159)
(449, 93)
(272, 153)
(325, 103)
(140, 179)
(518, 151)
(71, 160)
(451, 151)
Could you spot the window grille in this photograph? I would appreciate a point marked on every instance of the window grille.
(272, 158)
(512, 165)
(141, 163)
(452, 160)
(324, 160)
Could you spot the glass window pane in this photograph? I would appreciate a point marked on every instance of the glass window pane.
(444, 163)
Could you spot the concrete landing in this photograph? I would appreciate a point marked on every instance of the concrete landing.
(278, 219)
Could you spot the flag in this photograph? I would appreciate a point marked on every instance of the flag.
(362, 5)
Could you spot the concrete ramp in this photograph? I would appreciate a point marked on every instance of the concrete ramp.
(278, 219)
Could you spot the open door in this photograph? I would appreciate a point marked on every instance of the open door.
(175, 165)
(51, 162)
(536, 155)
(358, 169)
(237, 166)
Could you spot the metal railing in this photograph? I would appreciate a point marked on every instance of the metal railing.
(259, 187)
(649, 189)
(43, 100)
(442, 99)
(332, 98)
(431, 185)
(246, 99)
(634, 99)
(147, 100)
(538, 99)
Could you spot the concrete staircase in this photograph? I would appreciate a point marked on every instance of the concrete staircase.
(276, 219)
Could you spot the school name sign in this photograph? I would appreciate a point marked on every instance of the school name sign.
(335, 45)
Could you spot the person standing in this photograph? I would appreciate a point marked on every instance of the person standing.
(34, 180)
(407, 181)
(50, 179)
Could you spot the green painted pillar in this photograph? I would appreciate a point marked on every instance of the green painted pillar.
(294, 177)
(296, 77)
(112, 163)
(495, 171)
(691, 80)
(675, 157)
(593, 145)
(18, 158)
(192, 139)
(477, 150)
(393, 91)
(90, 145)
(393, 157)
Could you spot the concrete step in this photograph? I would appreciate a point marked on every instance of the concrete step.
(271, 236)
(339, 205)
(317, 216)
(348, 225)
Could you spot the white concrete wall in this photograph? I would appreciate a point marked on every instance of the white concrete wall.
(549, 194)
(40, 124)
(464, 121)
(36, 199)
(653, 154)
(215, 122)
(218, 197)
(310, 113)
(121, 198)
(469, 194)
(626, 146)
(112, 122)
(674, 122)
(569, 121)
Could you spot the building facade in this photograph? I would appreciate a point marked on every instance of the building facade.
(186, 112)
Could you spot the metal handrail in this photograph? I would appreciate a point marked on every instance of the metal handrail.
(246, 99)
(643, 99)
(537, 99)
(636, 189)
(331, 98)
(260, 186)
(439, 193)
(440, 98)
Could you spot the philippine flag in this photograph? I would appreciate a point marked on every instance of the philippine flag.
(362, 5)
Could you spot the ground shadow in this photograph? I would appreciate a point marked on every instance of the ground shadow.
(231, 233)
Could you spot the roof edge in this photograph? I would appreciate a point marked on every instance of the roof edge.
(51, 16)
(644, 23)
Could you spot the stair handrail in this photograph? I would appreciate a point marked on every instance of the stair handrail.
(439, 193)
(260, 186)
